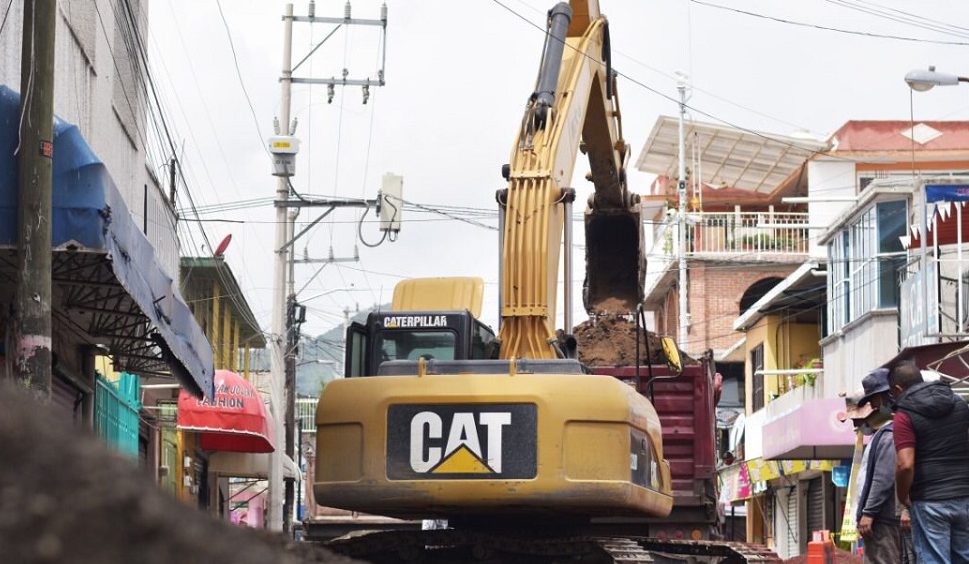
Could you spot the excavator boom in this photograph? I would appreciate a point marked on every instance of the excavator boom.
(575, 107)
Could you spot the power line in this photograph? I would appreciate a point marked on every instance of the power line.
(903, 18)
(827, 28)
(235, 59)
(5, 14)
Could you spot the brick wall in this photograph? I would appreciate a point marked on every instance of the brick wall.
(715, 290)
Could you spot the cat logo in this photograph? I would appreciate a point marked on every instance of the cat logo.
(468, 441)
(462, 453)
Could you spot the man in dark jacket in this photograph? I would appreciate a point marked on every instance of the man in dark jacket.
(932, 464)
(877, 515)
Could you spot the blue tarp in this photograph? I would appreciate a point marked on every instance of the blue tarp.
(89, 214)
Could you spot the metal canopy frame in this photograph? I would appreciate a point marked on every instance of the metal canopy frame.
(89, 301)
(731, 157)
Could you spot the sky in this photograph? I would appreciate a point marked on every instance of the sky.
(458, 75)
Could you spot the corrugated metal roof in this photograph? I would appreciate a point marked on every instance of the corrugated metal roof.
(730, 157)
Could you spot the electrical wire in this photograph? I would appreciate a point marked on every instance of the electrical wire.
(5, 14)
(235, 59)
(827, 28)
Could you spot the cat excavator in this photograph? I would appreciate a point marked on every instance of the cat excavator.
(525, 454)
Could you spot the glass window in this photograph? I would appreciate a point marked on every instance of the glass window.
(482, 342)
(892, 224)
(357, 341)
(412, 345)
(864, 260)
(757, 363)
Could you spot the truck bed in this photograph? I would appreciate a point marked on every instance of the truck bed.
(685, 405)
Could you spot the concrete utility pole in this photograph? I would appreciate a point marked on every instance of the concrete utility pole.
(284, 294)
(31, 331)
(275, 491)
(292, 341)
(681, 220)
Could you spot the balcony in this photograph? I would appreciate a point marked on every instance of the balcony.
(765, 236)
(751, 233)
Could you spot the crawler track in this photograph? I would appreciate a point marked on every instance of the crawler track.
(454, 546)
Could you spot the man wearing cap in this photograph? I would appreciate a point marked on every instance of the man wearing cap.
(878, 523)
(932, 474)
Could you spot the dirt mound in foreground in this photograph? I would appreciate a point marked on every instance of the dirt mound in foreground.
(64, 497)
(610, 340)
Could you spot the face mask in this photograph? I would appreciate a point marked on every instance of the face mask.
(866, 429)
(885, 410)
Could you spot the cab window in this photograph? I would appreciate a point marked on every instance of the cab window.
(412, 345)
(483, 342)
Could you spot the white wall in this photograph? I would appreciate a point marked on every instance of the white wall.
(827, 179)
(87, 93)
(857, 350)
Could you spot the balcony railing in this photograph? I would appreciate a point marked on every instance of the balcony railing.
(306, 413)
(753, 233)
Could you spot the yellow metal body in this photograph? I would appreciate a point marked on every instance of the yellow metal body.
(439, 294)
(583, 448)
(541, 165)
(591, 435)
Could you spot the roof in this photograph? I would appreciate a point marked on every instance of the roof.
(797, 288)
(898, 135)
(216, 269)
(728, 156)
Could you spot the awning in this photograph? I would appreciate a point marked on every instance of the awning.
(815, 429)
(249, 465)
(108, 287)
(950, 360)
(734, 158)
(234, 420)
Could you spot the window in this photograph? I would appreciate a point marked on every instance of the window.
(864, 259)
(356, 354)
(757, 363)
(412, 345)
(483, 343)
(892, 224)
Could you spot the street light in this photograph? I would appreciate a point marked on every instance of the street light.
(923, 80)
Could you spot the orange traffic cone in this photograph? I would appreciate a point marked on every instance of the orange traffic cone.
(821, 548)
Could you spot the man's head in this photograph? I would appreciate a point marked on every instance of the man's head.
(876, 388)
(904, 376)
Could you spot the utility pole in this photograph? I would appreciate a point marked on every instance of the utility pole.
(275, 491)
(283, 148)
(681, 219)
(31, 329)
(292, 341)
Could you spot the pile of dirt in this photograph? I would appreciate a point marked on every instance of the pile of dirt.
(64, 497)
(610, 340)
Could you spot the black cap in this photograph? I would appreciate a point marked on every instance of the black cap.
(876, 382)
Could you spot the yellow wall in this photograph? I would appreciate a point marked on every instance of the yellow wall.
(786, 345)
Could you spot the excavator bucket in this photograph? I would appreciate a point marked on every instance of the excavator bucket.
(614, 259)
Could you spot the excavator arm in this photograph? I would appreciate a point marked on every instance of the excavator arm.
(574, 107)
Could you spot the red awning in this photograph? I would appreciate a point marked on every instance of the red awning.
(235, 420)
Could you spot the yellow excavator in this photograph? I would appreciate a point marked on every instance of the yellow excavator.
(510, 439)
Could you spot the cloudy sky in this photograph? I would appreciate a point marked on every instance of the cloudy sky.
(458, 75)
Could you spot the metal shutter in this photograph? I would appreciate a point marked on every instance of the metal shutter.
(793, 548)
(815, 505)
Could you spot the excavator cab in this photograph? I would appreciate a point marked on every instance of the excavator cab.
(415, 335)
